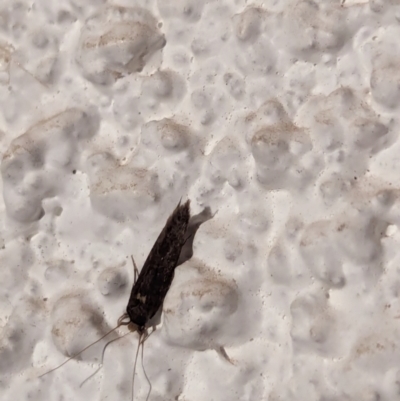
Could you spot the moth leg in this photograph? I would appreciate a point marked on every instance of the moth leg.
(135, 270)
(221, 351)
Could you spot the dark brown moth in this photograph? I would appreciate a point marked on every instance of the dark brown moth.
(154, 280)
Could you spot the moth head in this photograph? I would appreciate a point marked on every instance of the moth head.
(133, 327)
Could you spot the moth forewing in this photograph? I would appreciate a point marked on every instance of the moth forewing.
(155, 278)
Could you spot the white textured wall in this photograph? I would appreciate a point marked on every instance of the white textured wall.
(282, 116)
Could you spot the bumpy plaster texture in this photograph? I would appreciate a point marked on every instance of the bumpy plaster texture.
(279, 119)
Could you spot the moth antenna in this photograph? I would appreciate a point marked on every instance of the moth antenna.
(146, 336)
(134, 366)
(144, 370)
(121, 322)
(80, 352)
(102, 358)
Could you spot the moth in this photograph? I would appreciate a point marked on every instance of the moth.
(155, 278)
(153, 281)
